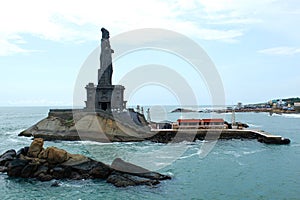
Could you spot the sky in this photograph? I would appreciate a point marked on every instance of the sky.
(254, 45)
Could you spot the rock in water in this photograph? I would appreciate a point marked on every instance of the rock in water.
(55, 184)
(42, 169)
(7, 156)
(22, 151)
(100, 170)
(35, 147)
(15, 167)
(55, 163)
(28, 170)
(124, 180)
(122, 166)
(3, 169)
(54, 155)
(128, 174)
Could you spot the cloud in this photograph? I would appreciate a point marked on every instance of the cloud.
(77, 21)
(7, 48)
(281, 51)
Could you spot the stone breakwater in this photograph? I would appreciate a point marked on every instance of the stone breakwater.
(218, 134)
(53, 163)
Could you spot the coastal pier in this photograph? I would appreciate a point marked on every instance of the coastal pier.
(268, 138)
(172, 135)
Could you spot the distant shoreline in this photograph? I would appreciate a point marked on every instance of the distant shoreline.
(257, 110)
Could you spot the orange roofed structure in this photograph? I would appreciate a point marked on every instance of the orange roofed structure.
(200, 123)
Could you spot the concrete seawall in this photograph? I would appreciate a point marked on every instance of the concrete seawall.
(164, 136)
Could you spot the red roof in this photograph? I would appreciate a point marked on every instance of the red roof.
(213, 120)
(189, 120)
(199, 120)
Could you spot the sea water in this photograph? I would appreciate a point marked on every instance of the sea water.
(228, 169)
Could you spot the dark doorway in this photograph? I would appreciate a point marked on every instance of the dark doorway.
(103, 106)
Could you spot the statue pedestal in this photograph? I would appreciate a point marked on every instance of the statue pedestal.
(106, 97)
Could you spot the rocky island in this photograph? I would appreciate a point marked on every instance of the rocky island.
(105, 117)
(98, 126)
(43, 164)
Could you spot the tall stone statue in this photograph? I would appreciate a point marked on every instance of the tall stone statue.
(105, 96)
(106, 69)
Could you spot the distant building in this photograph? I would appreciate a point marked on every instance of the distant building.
(239, 105)
(281, 104)
(297, 106)
(270, 103)
(200, 123)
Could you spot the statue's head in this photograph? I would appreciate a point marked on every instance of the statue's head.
(105, 33)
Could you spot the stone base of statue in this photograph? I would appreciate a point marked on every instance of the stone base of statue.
(105, 97)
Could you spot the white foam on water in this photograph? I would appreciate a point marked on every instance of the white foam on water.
(188, 156)
(295, 145)
(13, 133)
(158, 164)
(63, 184)
(291, 115)
(233, 153)
(198, 153)
(254, 125)
(227, 113)
(252, 152)
(240, 163)
(170, 174)
(95, 143)
(287, 115)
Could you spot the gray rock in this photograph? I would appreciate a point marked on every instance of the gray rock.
(15, 167)
(41, 169)
(29, 170)
(44, 177)
(100, 171)
(7, 156)
(23, 151)
(3, 169)
(122, 166)
(58, 173)
(124, 180)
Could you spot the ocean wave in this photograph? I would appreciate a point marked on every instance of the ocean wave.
(170, 174)
(254, 125)
(158, 164)
(291, 115)
(295, 145)
(228, 113)
(287, 115)
(197, 153)
(240, 163)
(252, 152)
(188, 156)
(78, 184)
(233, 153)
(94, 143)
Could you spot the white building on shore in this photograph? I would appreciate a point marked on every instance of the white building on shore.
(297, 106)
